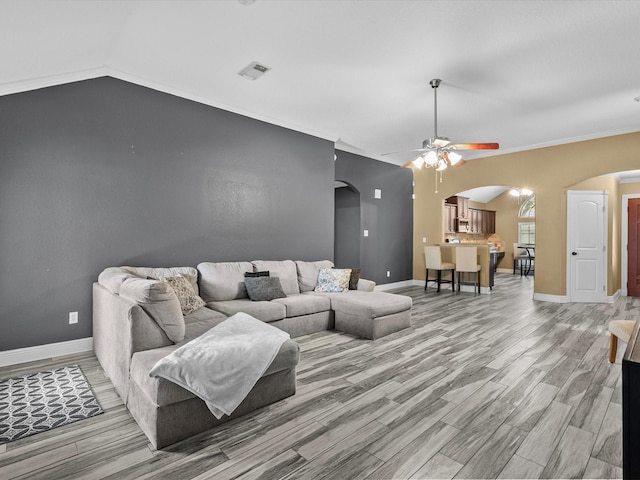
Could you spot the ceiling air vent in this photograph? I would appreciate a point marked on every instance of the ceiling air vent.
(253, 71)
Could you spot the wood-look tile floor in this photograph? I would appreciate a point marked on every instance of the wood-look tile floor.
(491, 386)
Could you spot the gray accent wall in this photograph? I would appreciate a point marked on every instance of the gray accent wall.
(102, 173)
(389, 219)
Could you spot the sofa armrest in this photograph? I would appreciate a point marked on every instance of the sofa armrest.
(366, 285)
(121, 328)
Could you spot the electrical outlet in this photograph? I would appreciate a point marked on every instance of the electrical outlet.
(73, 318)
(424, 239)
(388, 273)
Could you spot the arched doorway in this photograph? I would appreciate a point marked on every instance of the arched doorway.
(347, 221)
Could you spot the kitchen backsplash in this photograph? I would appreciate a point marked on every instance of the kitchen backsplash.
(494, 240)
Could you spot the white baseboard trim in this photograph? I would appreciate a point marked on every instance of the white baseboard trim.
(403, 283)
(41, 352)
(544, 297)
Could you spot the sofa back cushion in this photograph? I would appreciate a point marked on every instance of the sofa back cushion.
(222, 281)
(285, 270)
(111, 278)
(189, 273)
(308, 273)
(159, 301)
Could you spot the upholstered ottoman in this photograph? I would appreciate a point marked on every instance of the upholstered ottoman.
(371, 314)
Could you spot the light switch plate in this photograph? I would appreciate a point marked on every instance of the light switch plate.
(366, 233)
(377, 193)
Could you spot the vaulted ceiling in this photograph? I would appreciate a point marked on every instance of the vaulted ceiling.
(521, 73)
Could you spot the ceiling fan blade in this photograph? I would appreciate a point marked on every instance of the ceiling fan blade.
(475, 146)
(405, 165)
(460, 163)
(407, 151)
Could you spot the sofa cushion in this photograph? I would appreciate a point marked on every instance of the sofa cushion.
(223, 281)
(265, 311)
(264, 288)
(161, 273)
(285, 270)
(199, 321)
(163, 392)
(159, 301)
(333, 280)
(308, 273)
(188, 298)
(369, 304)
(297, 305)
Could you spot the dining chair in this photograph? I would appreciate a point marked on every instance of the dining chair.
(520, 258)
(619, 329)
(467, 262)
(433, 261)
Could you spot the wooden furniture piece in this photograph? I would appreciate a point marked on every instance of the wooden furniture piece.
(467, 219)
(433, 261)
(467, 262)
(449, 218)
(619, 329)
(631, 407)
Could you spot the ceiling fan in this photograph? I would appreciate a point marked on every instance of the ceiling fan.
(438, 152)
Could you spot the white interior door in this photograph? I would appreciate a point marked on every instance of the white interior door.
(587, 245)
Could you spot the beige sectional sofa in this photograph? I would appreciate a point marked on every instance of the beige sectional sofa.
(137, 321)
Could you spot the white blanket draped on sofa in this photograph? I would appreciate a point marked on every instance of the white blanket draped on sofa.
(222, 365)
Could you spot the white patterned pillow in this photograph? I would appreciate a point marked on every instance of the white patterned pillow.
(189, 299)
(331, 280)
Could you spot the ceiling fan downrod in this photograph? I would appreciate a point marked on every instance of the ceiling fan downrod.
(435, 83)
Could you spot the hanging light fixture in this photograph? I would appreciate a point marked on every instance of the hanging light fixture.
(520, 192)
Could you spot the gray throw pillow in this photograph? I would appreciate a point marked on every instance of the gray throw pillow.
(257, 274)
(264, 288)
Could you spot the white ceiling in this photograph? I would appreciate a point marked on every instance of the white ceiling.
(521, 73)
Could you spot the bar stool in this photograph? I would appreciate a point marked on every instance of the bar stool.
(467, 262)
(433, 260)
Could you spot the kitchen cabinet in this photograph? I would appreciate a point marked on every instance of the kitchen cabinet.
(463, 207)
(482, 221)
(449, 217)
(489, 221)
(462, 210)
(469, 220)
(475, 221)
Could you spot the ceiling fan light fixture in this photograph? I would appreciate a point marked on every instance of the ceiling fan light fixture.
(418, 162)
(431, 158)
(442, 164)
(454, 157)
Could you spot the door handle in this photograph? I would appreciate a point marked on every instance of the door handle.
(574, 253)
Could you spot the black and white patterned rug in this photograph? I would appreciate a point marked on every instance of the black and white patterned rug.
(41, 401)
